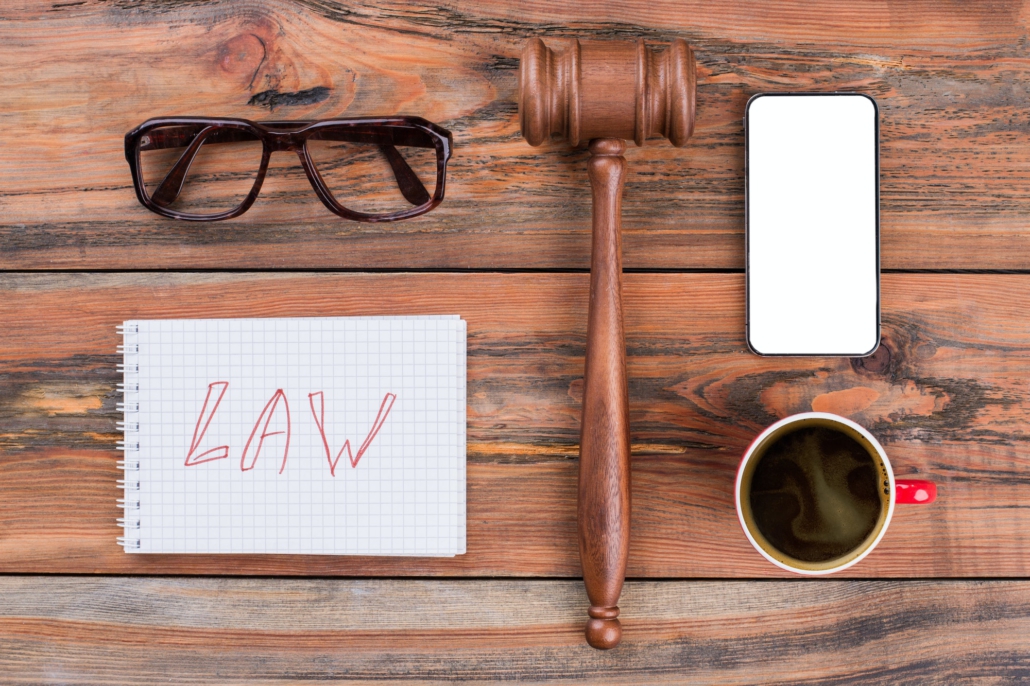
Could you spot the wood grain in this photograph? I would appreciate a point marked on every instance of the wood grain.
(75, 76)
(947, 393)
(260, 631)
(948, 396)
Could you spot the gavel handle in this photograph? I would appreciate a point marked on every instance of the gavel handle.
(604, 484)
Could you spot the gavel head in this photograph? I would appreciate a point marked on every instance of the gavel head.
(607, 89)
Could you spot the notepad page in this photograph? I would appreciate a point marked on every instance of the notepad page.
(341, 435)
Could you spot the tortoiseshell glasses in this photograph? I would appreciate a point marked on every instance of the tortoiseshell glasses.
(368, 169)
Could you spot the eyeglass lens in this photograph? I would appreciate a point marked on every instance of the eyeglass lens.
(204, 177)
(376, 173)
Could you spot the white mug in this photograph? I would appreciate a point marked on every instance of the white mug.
(893, 491)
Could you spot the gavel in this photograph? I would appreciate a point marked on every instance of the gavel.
(605, 92)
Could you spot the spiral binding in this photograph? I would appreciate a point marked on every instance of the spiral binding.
(130, 503)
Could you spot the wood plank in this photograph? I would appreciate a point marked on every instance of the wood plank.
(76, 76)
(261, 631)
(948, 396)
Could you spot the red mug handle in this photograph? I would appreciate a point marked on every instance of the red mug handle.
(914, 492)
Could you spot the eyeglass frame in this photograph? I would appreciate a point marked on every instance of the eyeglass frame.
(292, 136)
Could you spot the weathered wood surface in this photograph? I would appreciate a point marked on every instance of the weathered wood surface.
(76, 76)
(258, 631)
(948, 395)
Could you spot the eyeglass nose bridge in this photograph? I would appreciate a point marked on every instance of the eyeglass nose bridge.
(276, 141)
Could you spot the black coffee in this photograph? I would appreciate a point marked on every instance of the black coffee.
(815, 494)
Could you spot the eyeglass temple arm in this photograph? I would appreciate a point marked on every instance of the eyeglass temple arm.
(412, 188)
(171, 186)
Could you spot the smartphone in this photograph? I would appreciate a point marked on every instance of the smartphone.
(812, 224)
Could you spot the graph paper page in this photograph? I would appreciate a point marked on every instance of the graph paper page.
(310, 436)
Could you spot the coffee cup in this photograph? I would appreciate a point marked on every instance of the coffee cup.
(815, 493)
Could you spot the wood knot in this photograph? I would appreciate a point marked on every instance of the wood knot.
(242, 56)
(877, 363)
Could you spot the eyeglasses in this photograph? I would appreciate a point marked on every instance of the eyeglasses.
(369, 169)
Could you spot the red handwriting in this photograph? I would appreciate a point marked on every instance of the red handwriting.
(267, 415)
(319, 415)
(221, 451)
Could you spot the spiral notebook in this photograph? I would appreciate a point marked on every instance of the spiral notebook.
(341, 435)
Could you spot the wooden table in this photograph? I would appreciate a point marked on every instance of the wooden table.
(943, 599)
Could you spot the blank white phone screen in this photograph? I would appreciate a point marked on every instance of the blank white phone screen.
(812, 234)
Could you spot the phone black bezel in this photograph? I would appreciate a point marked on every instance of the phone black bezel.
(747, 221)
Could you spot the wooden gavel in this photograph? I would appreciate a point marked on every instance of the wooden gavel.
(605, 92)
